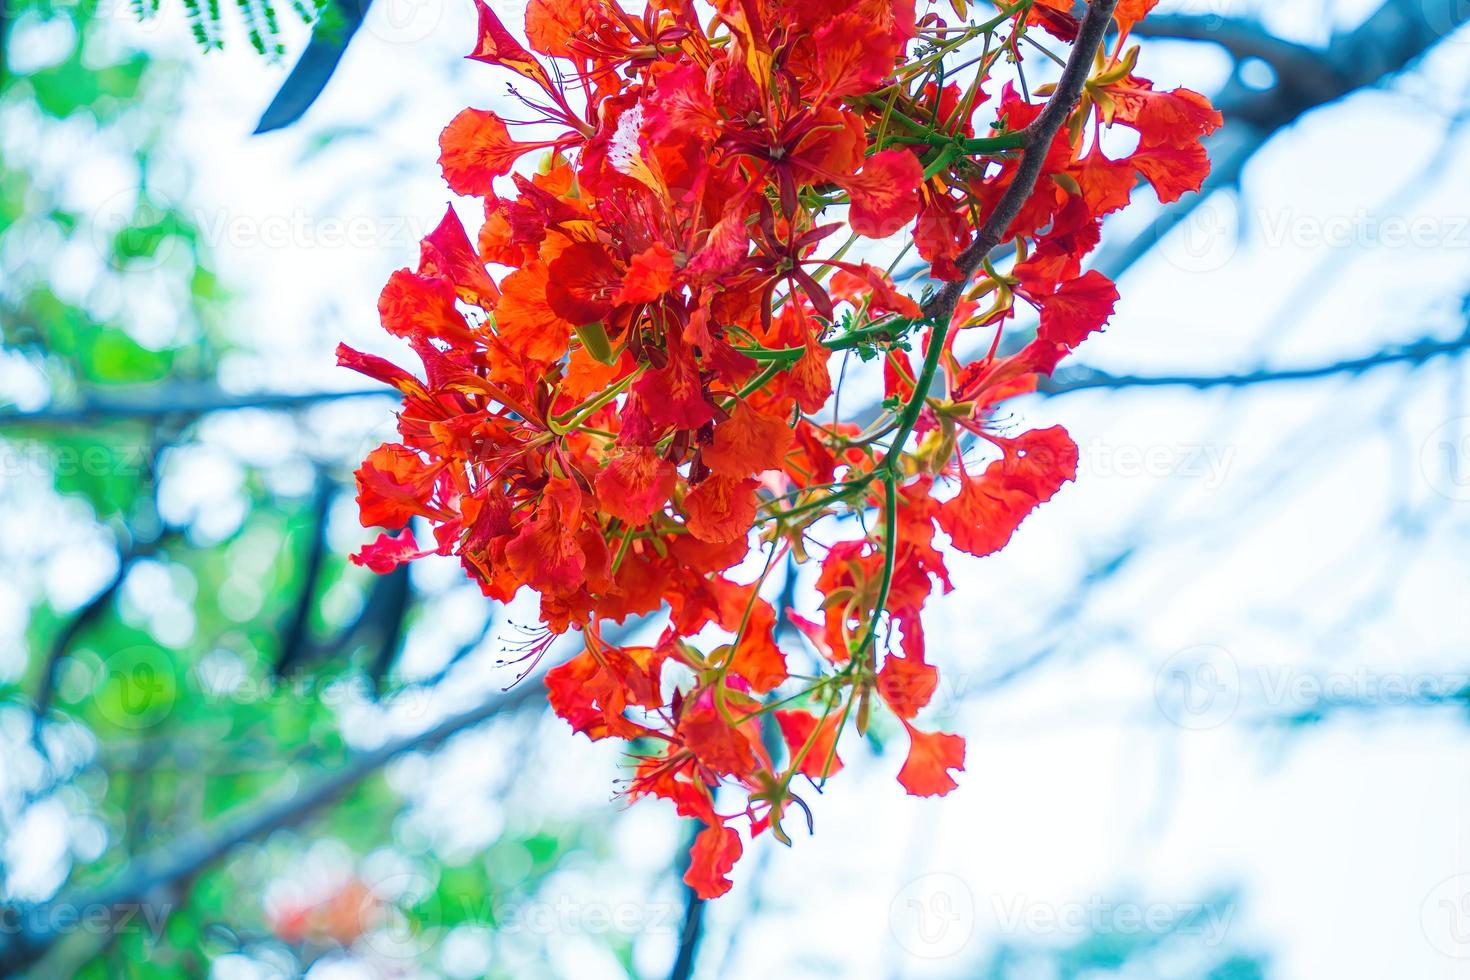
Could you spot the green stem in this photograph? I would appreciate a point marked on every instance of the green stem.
(889, 474)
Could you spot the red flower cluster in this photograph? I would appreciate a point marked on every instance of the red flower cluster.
(638, 405)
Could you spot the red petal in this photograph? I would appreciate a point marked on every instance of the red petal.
(552, 24)
(854, 54)
(525, 321)
(393, 486)
(885, 195)
(475, 148)
(715, 852)
(497, 46)
(674, 395)
(747, 443)
(940, 235)
(649, 276)
(447, 253)
(757, 658)
(821, 760)
(635, 486)
(931, 756)
(809, 381)
(720, 509)
(1130, 12)
(546, 553)
(415, 307)
(379, 369)
(1076, 309)
(874, 285)
(721, 747)
(989, 508)
(1107, 185)
(907, 685)
(1172, 170)
(388, 552)
(581, 283)
(726, 246)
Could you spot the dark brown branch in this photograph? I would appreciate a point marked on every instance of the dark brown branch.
(1039, 136)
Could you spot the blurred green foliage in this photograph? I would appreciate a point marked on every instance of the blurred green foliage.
(164, 715)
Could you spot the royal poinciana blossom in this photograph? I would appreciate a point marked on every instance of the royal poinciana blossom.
(640, 398)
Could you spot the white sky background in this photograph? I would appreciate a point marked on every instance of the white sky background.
(1294, 534)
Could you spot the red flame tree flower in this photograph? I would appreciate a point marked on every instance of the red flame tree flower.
(637, 406)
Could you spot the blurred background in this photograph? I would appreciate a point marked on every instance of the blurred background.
(1215, 694)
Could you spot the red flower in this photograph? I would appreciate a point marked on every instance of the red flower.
(524, 319)
(394, 485)
(635, 485)
(416, 307)
(990, 507)
(644, 395)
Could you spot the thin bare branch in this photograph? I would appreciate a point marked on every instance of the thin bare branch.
(183, 403)
(1414, 354)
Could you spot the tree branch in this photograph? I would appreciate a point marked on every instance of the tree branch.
(1415, 353)
(296, 636)
(29, 937)
(1038, 140)
(183, 402)
(1388, 41)
(1307, 67)
(693, 929)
